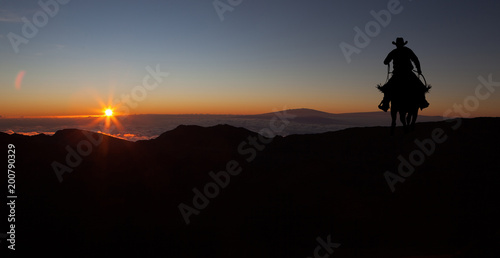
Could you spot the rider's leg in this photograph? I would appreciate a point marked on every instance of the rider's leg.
(384, 104)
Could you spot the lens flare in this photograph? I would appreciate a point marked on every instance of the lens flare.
(19, 79)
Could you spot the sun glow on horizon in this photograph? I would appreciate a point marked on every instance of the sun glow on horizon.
(108, 121)
(108, 112)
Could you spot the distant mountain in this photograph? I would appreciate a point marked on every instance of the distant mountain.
(223, 191)
(307, 121)
(317, 113)
(311, 116)
(303, 112)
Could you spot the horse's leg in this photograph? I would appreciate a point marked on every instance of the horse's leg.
(414, 119)
(402, 117)
(409, 118)
(394, 114)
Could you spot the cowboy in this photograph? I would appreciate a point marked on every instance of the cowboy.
(402, 58)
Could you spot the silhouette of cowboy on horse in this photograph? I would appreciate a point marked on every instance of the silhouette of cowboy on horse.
(403, 78)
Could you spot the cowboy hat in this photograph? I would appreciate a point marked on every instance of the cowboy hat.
(400, 42)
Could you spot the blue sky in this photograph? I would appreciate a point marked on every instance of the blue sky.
(264, 55)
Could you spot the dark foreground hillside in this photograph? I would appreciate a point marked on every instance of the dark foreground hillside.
(322, 195)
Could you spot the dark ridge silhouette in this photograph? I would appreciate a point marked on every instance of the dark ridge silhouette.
(203, 135)
(123, 198)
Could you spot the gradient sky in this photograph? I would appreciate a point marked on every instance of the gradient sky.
(265, 55)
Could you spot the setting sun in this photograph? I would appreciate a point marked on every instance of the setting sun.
(108, 112)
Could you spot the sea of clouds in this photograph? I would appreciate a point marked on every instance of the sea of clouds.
(144, 127)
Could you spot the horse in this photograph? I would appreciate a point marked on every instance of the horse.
(405, 92)
(406, 103)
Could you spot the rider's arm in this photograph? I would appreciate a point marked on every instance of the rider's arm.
(388, 59)
(415, 60)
